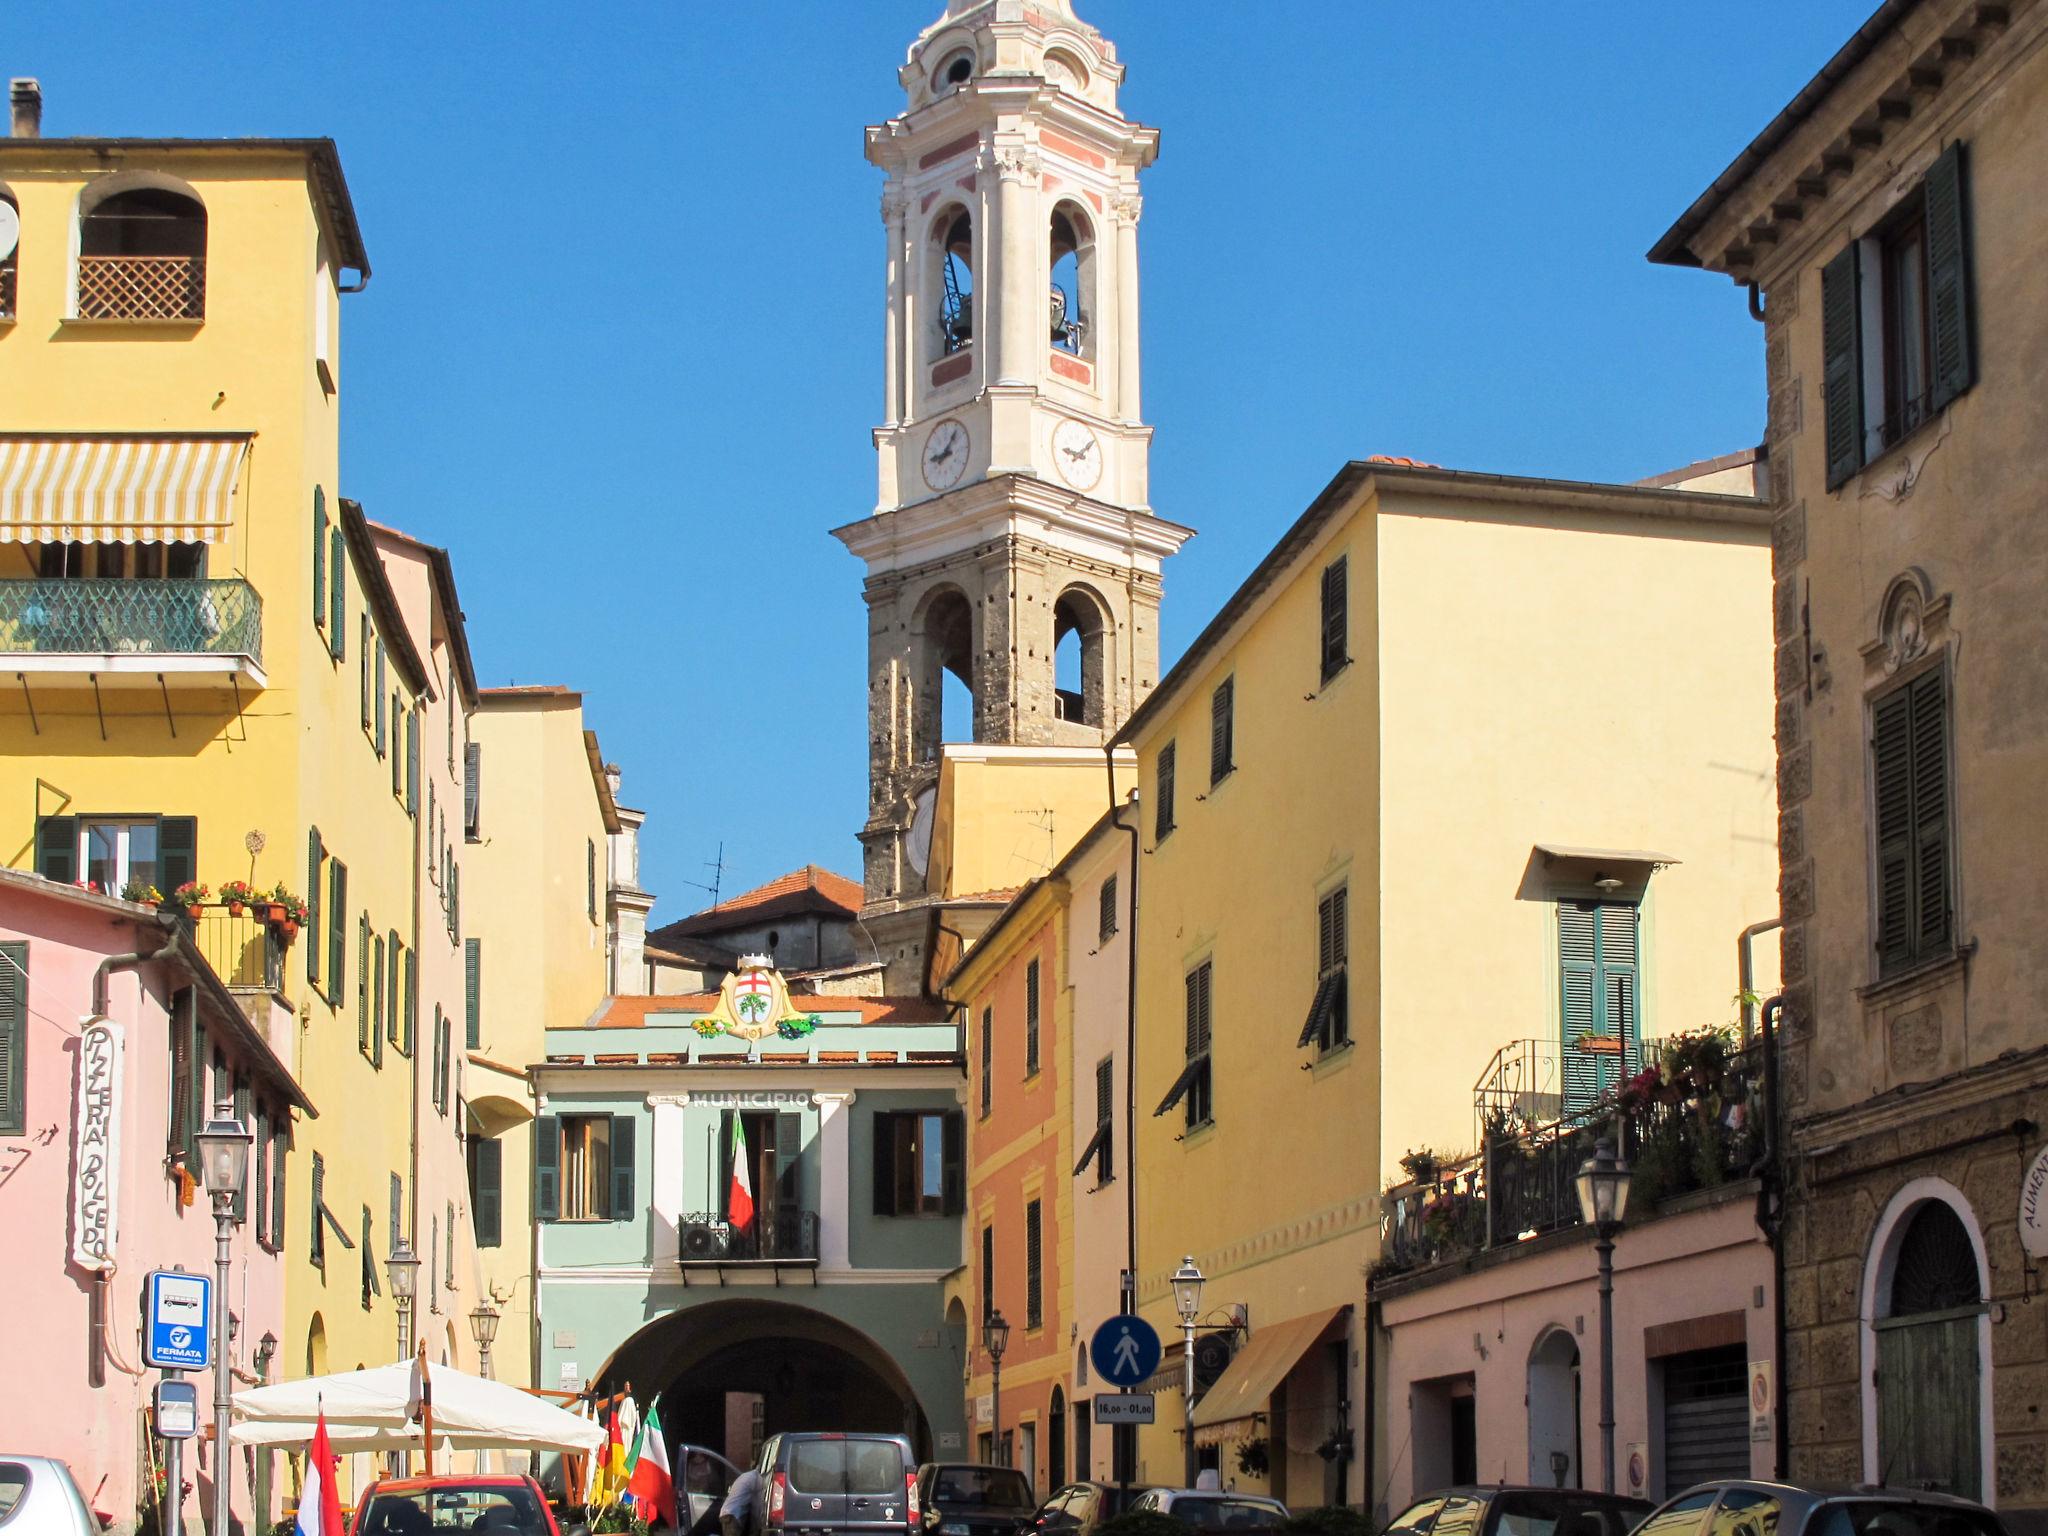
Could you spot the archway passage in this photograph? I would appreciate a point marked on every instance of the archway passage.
(1929, 1406)
(729, 1373)
(1554, 1460)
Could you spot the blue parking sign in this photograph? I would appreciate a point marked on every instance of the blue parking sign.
(177, 1320)
(1125, 1351)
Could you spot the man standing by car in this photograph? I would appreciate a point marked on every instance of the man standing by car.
(736, 1514)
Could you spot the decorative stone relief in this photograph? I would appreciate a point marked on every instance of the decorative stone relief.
(1915, 1041)
(1911, 621)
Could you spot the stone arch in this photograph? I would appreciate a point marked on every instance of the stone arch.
(943, 642)
(138, 249)
(1083, 634)
(316, 1346)
(1553, 1396)
(1075, 296)
(949, 290)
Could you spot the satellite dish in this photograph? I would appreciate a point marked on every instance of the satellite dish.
(10, 230)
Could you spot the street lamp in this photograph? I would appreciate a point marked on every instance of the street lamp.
(995, 1338)
(1187, 1299)
(403, 1268)
(1603, 1202)
(224, 1164)
(483, 1327)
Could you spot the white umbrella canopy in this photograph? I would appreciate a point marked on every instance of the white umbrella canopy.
(368, 1410)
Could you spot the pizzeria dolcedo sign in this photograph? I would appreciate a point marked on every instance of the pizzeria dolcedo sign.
(95, 1191)
(753, 1005)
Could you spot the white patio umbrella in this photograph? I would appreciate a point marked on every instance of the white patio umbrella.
(378, 1410)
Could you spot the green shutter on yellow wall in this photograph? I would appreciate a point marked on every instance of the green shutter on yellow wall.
(319, 557)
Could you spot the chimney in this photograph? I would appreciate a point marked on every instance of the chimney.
(26, 96)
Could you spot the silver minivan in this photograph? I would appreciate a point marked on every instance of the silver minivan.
(838, 1485)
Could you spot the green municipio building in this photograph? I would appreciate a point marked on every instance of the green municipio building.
(746, 1205)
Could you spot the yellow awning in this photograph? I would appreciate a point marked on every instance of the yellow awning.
(1256, 1371)
(119, 489)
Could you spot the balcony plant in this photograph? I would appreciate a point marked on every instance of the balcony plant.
(237, 894)
(287, 913)
(139, 891)
(1420, 1165)
(192, 896)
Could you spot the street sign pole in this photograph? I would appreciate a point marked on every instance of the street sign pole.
(177, 1336)
(174, 1473)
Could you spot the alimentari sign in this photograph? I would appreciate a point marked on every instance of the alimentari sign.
(96, 1121)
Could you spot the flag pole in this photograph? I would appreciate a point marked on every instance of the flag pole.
(427, 1407)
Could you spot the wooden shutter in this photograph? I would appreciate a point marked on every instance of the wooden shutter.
(1162, 775)
(1842, 364)
(789, 1151)
(622, 1168)
(472, 788)
(1930, 814)
(954, 1163)
(195, 1081)
(1577, 948)
(1950, 322)
(1034, 1264)
(448, 1226)
(14, 1039)
(177, 851)
(319, 557)
(313, 853)
(1031, 1018)
(472, 993)
(57, 848)
(363, 663)
(1620, 986)
(1336, 617)
(318, 1251)
(988, 1057)
(446, 1046)
(412, 762)
(1891, 747)
(181, 1072)
(590, 878)
(547, 1168)
(244, 1112)
(337, 596)
(363, 1032)
(380, 697)
(376, 943)
(1198, 1022)
(1928, 1391)
(988, 1272)
(486, 1192)
(412, 1000)
(394, 995)
(337, 929)
(1222, 708)
(884, 1135)
(397, 1210)
(280, 1144)
(1106, 924)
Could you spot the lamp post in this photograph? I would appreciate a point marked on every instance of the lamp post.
(1603, 1202)
(224, 1163)
(995, 1338)
(1187, 1299)
(403, 1268)
(483, 1327)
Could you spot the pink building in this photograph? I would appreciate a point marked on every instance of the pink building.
(116, 1039)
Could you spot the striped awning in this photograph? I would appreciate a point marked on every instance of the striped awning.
(119, 489)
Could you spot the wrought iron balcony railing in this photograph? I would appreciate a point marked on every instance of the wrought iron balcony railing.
(142, 287)
(773, 1237)
(244, 951)
(56, 616)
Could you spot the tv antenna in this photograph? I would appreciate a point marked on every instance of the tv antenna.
(717, 868)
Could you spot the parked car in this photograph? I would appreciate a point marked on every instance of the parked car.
(39, 1497)
(838, 1485)
(972, 1499)
(1078, 1508)
(1507, 1510)
(1740, 1507)
(469, 1503)
(1210, 1509)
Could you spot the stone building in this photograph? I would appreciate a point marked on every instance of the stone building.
(1888, 225)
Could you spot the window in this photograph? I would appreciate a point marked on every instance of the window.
(1162, 813)
(1191, 1089)
(397, 1210)
(337, 929)
(412, 1000)
(444, 1033)
(118, 855)
(318, 1251)
(472, 993)
(1681, 1517)
(141, 255)
(364, 1034)
(590, 878)
(1101, 1147)
(1909, 778)
(1329, 1019)
(1745, 1512)
(394, 997)
(487, 1189)
(363, 661)
(448, 1270)
(1222, 709)
(369, 1258)
(1034, 1265)
(376, 953)
(397, 763)
(319, 557)
(1031, 1019)
(585, 1168)
(1598, 970)
(1897, 321)
(953, 244)
(988, 1274)
(412, 762)
(1336, 636)
(1106, 922)
(280, 1143)
(7, 300)
(316, 855)
(1073, 279)
(337, 594)
(472, 790)
(919, 1163)
(379, 701)
(14, 1039)
(988, 1058)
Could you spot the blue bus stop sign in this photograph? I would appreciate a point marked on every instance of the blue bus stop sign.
(177, 1316)
(1125, 1351)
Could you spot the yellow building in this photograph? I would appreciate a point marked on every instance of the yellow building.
(220, 671)
(535, 961)
(1450, 720)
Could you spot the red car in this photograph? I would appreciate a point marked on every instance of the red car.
(464, 1504)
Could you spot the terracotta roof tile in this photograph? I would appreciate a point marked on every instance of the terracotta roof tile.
(809, 889)
(1391, 458)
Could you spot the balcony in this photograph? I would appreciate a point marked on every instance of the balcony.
(774, 1238)
(107, 629)
(142, 287)
(244, 952)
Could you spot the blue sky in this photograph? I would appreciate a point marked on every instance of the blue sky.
(622, 350)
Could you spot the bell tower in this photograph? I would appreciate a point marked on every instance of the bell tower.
(1013, 509)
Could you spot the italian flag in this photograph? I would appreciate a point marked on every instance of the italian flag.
(652, 1483)
(739, 1200)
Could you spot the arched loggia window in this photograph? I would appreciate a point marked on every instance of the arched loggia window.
(1073, 280)
(10, 230)
(945, 672)
(1080, 640)
(953, 300)
(141, 254)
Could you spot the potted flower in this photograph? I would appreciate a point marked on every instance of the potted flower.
(192, 895)
(139, 891)
(287, 912)
(1420, 1165)
(237, 894)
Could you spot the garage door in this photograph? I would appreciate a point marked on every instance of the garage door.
(1706, 1417)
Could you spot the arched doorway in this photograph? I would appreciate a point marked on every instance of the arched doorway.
(316, 1346)
(1056, 1440)
(1554, 1460)
(729, 1373)
(1928, 1340)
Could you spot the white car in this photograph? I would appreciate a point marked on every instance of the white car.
(39, 1497)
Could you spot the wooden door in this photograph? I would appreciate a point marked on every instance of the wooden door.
(1928, 1402)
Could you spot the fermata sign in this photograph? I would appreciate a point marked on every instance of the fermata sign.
(176, 1309)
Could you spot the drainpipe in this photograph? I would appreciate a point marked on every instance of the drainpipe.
(96, 1354)
(1745, 970)
(417, 1331)
(1366, 1497)
(1770, 1218)
(1128, 1296)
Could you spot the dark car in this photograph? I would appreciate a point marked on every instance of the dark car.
(472, 1504)
(1740, 1507)
(1506, 1510)
(1213, 1509)
(971, 1499)
(1078, 1508)
(838, 1485)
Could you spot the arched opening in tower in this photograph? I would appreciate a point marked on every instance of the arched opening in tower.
(946, 673)
(954, 300)
(1073, 279)
(1080, 632)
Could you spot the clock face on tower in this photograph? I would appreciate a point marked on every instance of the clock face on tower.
(1076, 454)
(945, 455)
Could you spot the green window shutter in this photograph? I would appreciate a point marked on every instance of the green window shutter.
(472, 993)
(319, 557)
(412, 762)
(622, 1169)
(13, 1039)
(953, 1164)
(394, 995)
(472, 790)
(1620, 983)
(363, 664)
(363, 1035)
(380, 697)
(337, 596)
(398, 1211)
(376, 953)
(244, 1109)
(547, 1168)
(1950, 323)
(196, 1106)
(177, 851)
(590, 877)
(1336, 616)
(1105, 927)
(1842, 364)
(1891, 747)
(1930, 814)
(280, 1143)
(1162, 775)
(1031, 1018)
(1034, 1264)
(789, 1151)
(317, 1219)
(57, 848)
(487, 1190)
(1222, 729)
(1578, 955)
(988, 1057)
(442, 1034)
(314, 853)
(337, 929)
(412, 999)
